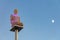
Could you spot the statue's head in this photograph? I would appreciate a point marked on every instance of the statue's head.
(15, 11)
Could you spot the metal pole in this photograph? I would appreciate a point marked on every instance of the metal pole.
(16, 34)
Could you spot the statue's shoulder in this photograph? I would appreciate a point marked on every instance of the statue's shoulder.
(11, 14)
(18, 16)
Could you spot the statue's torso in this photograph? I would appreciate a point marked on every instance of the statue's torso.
(15, 19)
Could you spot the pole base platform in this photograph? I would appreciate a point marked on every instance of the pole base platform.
(16, 27)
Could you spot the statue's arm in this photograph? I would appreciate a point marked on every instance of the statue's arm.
(11, 19)
(18, 19)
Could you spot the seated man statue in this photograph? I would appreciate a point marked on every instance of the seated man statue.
(15, 19)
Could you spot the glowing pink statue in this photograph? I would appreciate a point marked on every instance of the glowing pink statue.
(15, 19)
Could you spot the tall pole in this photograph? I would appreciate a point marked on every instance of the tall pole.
(16, 34)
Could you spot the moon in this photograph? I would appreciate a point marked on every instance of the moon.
(53, 20)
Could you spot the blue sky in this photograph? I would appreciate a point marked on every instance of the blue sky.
(36, 16)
